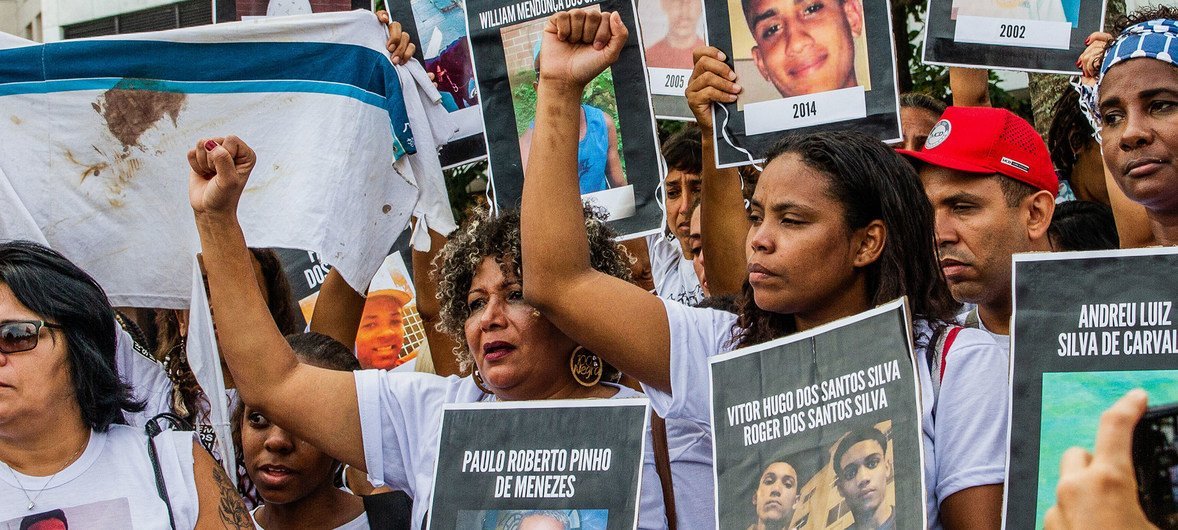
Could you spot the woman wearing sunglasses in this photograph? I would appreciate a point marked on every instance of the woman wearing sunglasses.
(64, 447)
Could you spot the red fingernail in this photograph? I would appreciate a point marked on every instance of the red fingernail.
(1087, 41)
(210, 145)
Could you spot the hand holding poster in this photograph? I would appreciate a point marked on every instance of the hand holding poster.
(1031, 35)
(1075, 351)
(617, 158)
(806, 423)
(502, 463)
(803, 67)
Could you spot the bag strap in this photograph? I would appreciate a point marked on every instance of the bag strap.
(391, 509)
(152, 428)
(938, 357)
(662, 464)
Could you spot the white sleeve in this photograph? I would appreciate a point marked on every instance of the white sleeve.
(147, 377)
(696, 335)
(971, 414)
(400, 417)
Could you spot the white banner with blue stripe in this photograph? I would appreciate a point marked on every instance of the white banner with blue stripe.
(94, 135)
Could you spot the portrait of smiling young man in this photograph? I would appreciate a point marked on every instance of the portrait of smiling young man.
(805, 46)
(990, 180)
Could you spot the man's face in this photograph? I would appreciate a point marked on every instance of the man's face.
(682, 193)
(976, 233)
(682, 17)
(540, 522)
(805, 46)
(916, 124)
(863, 476)
(777, 493)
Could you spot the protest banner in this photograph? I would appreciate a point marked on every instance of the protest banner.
(500, 462)
(828, 418)
(1030, 35)
(438, 28)
(235, 10)
(845, 78)
(1076, 351)
(671, 31)
(618, 164)
(99, 147)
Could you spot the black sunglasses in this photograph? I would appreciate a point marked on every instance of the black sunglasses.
(21, 335)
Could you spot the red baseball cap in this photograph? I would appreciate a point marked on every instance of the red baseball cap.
(987, 140)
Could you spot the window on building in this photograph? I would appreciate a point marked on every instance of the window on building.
(178, 15)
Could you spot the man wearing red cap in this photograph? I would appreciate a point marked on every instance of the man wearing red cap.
(990, 180)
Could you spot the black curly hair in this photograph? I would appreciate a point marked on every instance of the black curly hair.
(485, 235)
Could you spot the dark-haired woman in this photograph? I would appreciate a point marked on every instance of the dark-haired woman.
(838, 224)
(296, 480)
(387, 423)
(61, 405)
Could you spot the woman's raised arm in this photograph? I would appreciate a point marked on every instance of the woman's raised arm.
(268, 376)
(622, 323)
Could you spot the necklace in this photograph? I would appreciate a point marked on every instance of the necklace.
(33, 500)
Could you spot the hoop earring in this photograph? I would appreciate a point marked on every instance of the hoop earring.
(586, 367)
(478, 381)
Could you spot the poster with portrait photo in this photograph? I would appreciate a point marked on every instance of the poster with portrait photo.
(618, 164)
(823, 425)
(235, 10)
(1028, 35)
(1074, 352)
(803, 67)
(578, 461)
(391, 333)
(111, 513)
(438, 29)
(671, 31)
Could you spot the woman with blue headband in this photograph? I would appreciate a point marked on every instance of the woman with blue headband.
(1137, 109)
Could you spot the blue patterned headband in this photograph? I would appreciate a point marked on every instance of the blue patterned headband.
(1156, 39)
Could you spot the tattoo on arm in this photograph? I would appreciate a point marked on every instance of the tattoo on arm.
(232, 509)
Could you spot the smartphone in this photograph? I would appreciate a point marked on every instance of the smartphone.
(1155, 458)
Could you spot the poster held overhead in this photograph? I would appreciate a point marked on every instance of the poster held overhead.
(1031, 35)
(438, 29)
(1074, 352)
(618, 164)
(502, 462)
(671, 31)
(803, 67)
(832, 416)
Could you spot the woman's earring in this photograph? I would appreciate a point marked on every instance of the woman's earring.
(586, 367)
(535, 313)
(478, 381)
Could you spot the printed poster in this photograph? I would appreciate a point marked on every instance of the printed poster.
(1076, 351)
(618, 163)
(235, 10)
(438, 28)
(803, 67)
(391, 332)
(671, 31)
(1029, 35)
(112, 513)
(510, 465)
(821, 428)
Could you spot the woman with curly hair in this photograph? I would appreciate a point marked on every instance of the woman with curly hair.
(387, 423)
(838, 224)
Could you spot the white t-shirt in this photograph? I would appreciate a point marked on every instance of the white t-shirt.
(964, 447)
(111, 485)
(147, 377)
(973, 319)
(359, 523)
(674, 275)
(401, 420)
(1046, 10)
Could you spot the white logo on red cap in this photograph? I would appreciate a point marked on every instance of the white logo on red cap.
(1016, 164)
(939, 134)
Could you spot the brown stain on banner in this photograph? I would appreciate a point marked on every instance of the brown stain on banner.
(133, 106)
